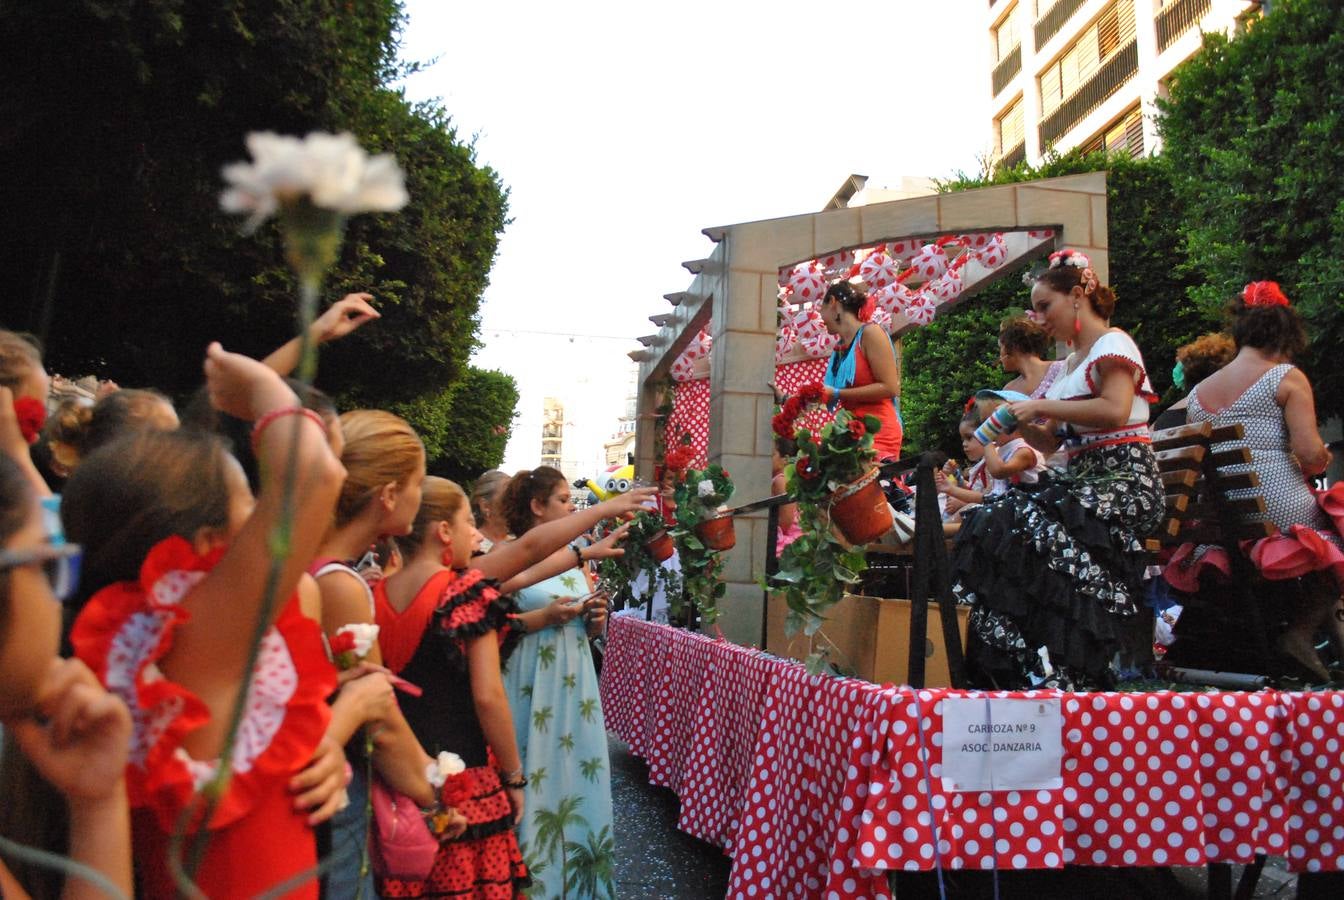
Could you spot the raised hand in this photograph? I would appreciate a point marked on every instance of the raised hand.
(344, 316)
(630, 502)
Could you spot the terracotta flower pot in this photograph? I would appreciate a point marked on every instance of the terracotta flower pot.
(860, 510)
(660, 546)
(717, 533)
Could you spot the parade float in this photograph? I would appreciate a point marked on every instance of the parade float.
(824, 786)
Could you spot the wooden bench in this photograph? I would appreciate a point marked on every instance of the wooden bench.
(1223, 629)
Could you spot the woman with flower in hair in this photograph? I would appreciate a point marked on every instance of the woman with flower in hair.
(863, 374)
(1051, 569)
(1271, 399)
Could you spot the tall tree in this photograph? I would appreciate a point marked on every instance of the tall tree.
(1254, 134)
(114, 131)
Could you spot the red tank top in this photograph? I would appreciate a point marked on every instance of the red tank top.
(887, 442)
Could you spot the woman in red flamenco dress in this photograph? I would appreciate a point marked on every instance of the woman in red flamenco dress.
(175, 576)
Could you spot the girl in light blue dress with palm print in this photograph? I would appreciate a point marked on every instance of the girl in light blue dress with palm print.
(566, 833)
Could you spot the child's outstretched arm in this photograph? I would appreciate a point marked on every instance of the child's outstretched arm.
(512, 557)
(564, 559)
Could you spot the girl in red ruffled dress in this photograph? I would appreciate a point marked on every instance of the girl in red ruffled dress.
(449, 629)
(176, 567)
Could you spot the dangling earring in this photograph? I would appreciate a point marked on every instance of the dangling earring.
(1077, 325)
(447, 556)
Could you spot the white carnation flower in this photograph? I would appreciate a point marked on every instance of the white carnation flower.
(444, 767)
(331, 170)
(705, 488)
(366, 635)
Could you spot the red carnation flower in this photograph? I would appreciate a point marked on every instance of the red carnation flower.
(806, 470)
(857, 429)
(783, 426)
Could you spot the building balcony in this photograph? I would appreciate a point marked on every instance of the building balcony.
(1175, 19)
(1007, 67)
(1053, 19)
(1109, 78)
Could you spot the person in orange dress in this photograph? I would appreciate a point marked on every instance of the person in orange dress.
(863, 374)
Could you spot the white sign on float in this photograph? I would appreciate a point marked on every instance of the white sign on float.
(1002, 744)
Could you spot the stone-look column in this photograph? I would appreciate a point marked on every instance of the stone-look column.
(740, 407)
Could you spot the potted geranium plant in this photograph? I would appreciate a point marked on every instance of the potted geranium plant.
(702, 533)
(836, 467)
(833, 471)
(618, 574)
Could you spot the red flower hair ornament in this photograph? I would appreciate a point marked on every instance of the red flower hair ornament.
(866, 311)
(1263, 293)
(32, 415)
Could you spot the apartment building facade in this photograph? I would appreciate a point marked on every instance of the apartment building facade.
(1086, 73)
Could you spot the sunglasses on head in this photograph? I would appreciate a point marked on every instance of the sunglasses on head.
(59, 562)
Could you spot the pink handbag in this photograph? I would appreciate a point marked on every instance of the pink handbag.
(401, 847)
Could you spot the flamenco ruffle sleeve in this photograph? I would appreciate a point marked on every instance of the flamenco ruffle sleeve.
(124, 632)
(472, 605)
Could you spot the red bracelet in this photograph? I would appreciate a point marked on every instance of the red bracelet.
(260, 425)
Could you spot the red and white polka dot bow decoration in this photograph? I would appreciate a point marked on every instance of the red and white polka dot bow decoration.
(807, 283)
(1042, 233)
(893, 298)
(838, 264)
(812, 334)
(993, 254)
(903, 249)
(946, 287)
(977, 241)
(683, 369)
(820, 345)
(921, 309)
(930, 262)
(878, 270)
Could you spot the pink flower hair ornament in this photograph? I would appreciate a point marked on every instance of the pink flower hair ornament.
(1263, 293)
(1075, 260)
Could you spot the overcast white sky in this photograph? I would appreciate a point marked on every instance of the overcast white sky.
(622, 129)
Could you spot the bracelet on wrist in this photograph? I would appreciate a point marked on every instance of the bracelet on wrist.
(265, 421)
(578, 553)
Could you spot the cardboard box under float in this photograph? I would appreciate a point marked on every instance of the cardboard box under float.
(870, 636)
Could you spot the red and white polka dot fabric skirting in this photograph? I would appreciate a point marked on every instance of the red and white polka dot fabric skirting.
(816, 786)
